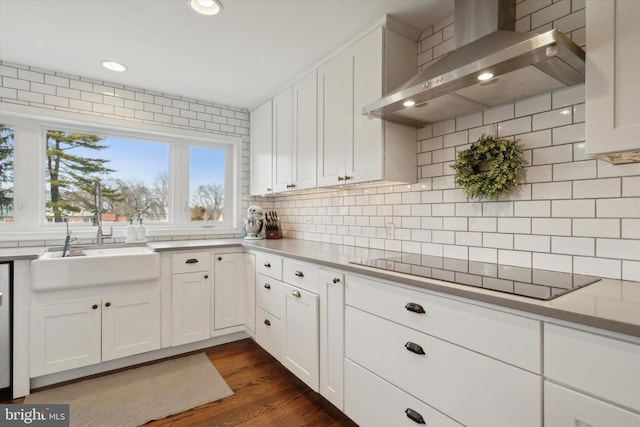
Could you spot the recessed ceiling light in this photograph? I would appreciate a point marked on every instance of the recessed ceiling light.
(206, 7)
(409, 103)
(114, 66)
(485, 76)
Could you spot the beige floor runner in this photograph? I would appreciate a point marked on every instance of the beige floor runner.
(136, 396)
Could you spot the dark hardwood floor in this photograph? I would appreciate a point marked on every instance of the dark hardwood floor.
(266, 394)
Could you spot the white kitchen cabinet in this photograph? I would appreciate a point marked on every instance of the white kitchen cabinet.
(283, 141)
(79, 333)
(191, 297)
(464, 385)
(600, 366)
(305, 131)
(331, 300)
(353, 148)
(612, 93)
(234, 290)
(65, 336)
(372, 401)
(130, 324)
(565, 407)
(5, 326)
(190, 304)
(262, 150)
(300, 350)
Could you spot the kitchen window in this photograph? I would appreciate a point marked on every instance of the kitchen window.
(178, 182)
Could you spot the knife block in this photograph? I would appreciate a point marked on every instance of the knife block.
(274, 234)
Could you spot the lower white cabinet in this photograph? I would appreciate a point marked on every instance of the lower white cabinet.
(234, 290)
(191, 313)
(468, 387)
(300, 347)
(331, 300)
(565, 407)
(73, 334)
(269, 332)
(373, 402)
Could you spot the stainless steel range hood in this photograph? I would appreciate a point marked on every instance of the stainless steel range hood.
(522, 65)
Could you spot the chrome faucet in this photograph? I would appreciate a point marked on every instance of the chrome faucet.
(97, 219)
(68, 239)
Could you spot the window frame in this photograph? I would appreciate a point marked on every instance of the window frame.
(29, 188)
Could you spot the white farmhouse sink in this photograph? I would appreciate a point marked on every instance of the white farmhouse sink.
(101, 266)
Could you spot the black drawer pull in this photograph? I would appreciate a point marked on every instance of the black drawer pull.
(107, 304)
(266, 322)
(336, 280)
(94, 306)
(299, 274)
(414, 416)
(219, 258)
(414, 348)
(268, 265)
(267, 286)
(191, 261)
(416, 308)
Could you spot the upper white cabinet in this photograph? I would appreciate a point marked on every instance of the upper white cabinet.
(295, 135)
(353, 148)
(612, 92)
(262, 150)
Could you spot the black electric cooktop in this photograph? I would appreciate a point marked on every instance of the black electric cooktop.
(533, 283)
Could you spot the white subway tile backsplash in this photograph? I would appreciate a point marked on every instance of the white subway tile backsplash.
(499, 114)
(443, 209)
(556, 154)
(532, 208)
(631, 228)
(497, 240)
(515, 258)
(454, 223)
(527, 242)
(597, 227)
(433, 249)
(631, 271)
(552, 262)
(535, 139)
(608, 170)
(537, 173)
(466, 238)
(598, 267)
(442, 128)
(533, 105)
(574, 171)
(596, 188)
(453, 251)
(631, 186)
(514, 127)
(455, 139)
(527, 7)
(567, 97)
(468, 122)
(551, 190)
(550, 13)
(514, 225)
(578, 113)
(551, 226)
(618, 248)
(483, 224)
(618, 208)
(483, 255)
(570, 133)
(468, 209)
(573, 245)
(552, 119)
(573, 208)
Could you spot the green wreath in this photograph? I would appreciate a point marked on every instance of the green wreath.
(489, 168)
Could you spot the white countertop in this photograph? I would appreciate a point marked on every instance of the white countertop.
(612, 305)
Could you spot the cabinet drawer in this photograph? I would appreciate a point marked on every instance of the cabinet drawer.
(301, 274)
(269, 265)
(372, 401)
(270, 295)
(504, 336)
(602, 366)
(462, 384)
(269, 333)
(189, 262)
(564, 407)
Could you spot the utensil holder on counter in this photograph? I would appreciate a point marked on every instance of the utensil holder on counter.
(272, 227)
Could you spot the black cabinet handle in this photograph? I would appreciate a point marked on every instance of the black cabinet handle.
(268, 265)
(206, 276)
(414, 348)
(416, 308)
(107, 304)
(414, 416)
(299, 274)
(219, 258)
(267, 286)
(266, 322)
(94, 306)
(336, 280)
(191, 261)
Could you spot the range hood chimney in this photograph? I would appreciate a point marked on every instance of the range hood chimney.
(515, 66)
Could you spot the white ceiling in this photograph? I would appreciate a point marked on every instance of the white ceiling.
(237, 58)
